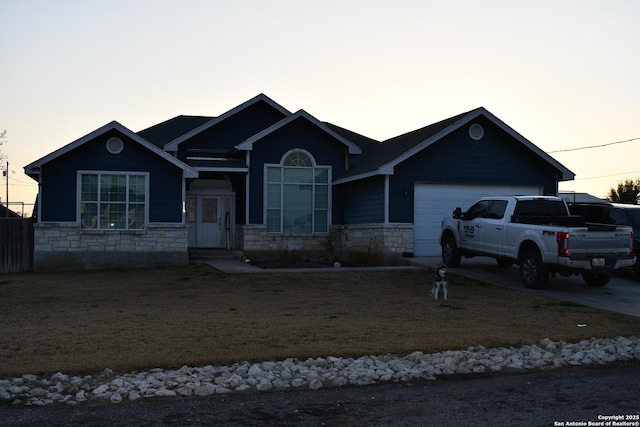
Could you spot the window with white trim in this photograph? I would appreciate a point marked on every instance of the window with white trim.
(113, 201)
(297, 195)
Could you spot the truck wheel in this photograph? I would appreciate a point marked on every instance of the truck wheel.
(533, 273)
(450, 253)
(596, 279)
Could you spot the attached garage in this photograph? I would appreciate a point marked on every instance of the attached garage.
(432, 202)
(431, 171)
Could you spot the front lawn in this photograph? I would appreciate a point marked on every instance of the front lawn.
(138, 319)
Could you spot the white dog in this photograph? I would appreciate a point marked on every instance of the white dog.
(440, 281)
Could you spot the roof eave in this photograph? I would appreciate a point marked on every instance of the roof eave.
(357, 177)
(566, 174)
(215, 169)
(34, 169)
(247, 145)
(191, 172)
(173, 145)
(36, 166)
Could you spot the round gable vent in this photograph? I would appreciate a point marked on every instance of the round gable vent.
(476, 131)
(115, 145)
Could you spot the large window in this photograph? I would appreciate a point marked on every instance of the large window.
(297, 195)
(113, 201)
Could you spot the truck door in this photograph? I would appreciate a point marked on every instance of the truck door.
(471, 226)
(492, 229)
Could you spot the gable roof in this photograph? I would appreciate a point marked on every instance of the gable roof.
(8, 213)
(167, 131)
(300, 114)
(573, 197)
(33, 169)
(364, 142)
(382, 159)
(173, 145)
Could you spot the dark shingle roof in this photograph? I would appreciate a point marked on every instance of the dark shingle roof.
(400, 144)
(167, 131)
(375, 154)
(362, 141)
(376, 157)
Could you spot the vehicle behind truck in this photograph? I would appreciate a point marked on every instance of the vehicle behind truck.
(539, 234)
(613, 213)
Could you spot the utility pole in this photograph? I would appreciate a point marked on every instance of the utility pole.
(6, 173)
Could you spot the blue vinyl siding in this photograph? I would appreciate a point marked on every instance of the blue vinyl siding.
(232, 130)
(59, 179)
(361, 202)
(497, 159)
(299, 134)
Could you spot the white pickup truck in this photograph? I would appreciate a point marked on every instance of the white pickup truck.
(539, 234)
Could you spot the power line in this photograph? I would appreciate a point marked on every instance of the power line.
(22, 182)
(594, 146)
(606, 176)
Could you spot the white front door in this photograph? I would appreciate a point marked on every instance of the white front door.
(209, 220)
(209, 224)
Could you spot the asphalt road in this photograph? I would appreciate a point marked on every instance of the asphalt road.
(531, 398)
(621, 294)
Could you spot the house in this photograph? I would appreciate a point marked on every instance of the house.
(272, 183)
(573, 197)
(5, 212)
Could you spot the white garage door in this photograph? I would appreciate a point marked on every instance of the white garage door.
(433, 202)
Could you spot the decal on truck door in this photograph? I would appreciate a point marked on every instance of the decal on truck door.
(469, 231)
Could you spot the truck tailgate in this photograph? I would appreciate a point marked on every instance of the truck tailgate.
(590, 242)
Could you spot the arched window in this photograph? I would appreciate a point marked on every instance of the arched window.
(298, 158)
(297, 195)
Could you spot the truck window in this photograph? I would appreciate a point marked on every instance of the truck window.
(596, 214)
(634, 216)
(557, 208)
(540, 208)
(617, 217)
(497, 209)
(478, 210)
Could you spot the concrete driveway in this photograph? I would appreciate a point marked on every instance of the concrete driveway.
(621, 294)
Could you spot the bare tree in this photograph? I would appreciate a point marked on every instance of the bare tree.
(3, 138)
(627, 192)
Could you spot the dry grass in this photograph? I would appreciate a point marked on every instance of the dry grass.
(138, 319)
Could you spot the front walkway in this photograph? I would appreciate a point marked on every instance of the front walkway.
(237, 266)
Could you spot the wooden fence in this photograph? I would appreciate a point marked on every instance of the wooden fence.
(16, 245)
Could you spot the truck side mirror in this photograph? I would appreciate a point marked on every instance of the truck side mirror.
(457, 213)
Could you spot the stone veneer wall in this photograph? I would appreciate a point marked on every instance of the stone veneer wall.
(379, 244)
(257, 243)
(374, 244)
(67, 247)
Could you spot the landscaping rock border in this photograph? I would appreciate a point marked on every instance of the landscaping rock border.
(313, 373)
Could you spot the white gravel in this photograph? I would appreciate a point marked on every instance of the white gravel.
(311, 373)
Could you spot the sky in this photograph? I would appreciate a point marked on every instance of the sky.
(565, 74)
